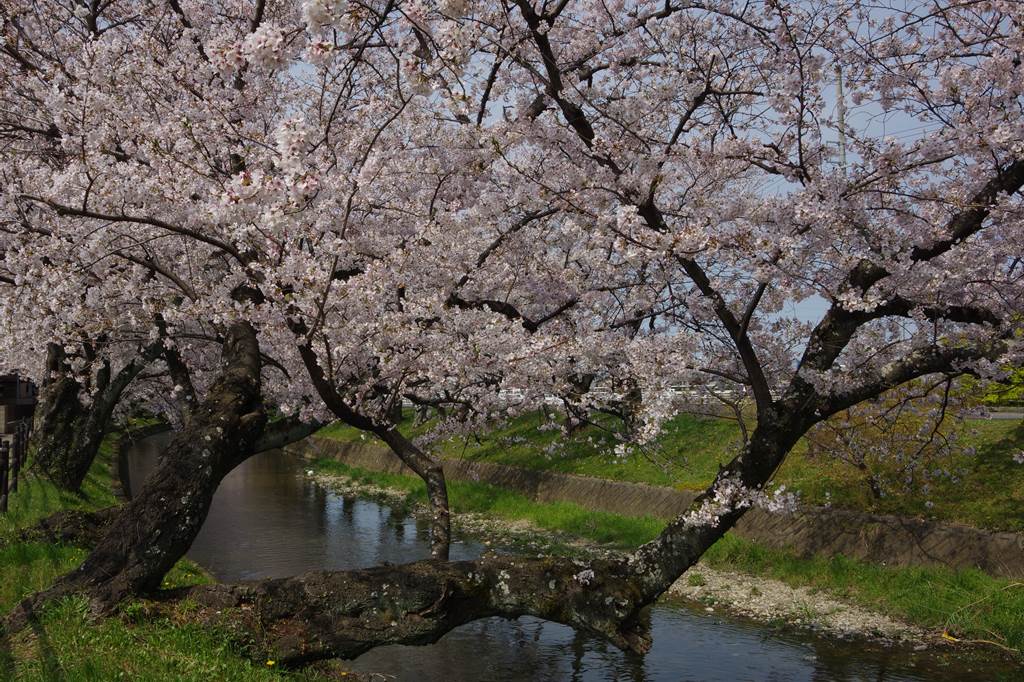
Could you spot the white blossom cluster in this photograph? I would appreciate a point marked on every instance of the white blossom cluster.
(486, 212)
(729, 495)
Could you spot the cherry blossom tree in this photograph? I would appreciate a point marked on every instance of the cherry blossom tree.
(69, 428)
(455, 203)
(905, 441)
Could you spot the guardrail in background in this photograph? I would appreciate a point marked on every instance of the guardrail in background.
(13, 453)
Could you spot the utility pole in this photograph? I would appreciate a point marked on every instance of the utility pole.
(841, 114)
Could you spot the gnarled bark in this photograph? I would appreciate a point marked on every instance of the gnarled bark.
(343, 614)
(68, 431)
(58, 415)
(157, 527)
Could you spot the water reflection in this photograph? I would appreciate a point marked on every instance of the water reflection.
(270, 520)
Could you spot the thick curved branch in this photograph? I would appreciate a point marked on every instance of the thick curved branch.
(918, 363)
(284, 432)
(343, 614)
(972, 219)
(507, 310)
(62, 210)
(835, 330)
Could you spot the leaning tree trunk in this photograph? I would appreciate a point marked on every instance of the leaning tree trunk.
(69, 431)
(421, 463)
(84, 529)
(430, 470)
(58, 415)
(158, 526)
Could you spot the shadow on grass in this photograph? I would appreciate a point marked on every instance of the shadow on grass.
(51, 667)
(6, 656)
(994, 454)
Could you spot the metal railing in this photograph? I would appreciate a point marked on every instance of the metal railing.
(13, 453)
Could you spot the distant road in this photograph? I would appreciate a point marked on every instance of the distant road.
(1006, 415)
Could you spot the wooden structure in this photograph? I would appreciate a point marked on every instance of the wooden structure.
(17, 407)
(17, 402)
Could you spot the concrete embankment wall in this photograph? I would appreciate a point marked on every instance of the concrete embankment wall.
(120, 471)
(882, 539)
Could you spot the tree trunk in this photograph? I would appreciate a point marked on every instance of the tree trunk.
(430, 470)
(86, 528)
(342, 614)
(157, 527)
(575, 416)
(425, 466)
(395, 411)
(69, 432)
(58, 414)
(662, 560)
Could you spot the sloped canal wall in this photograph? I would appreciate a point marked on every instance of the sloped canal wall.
(876, 538)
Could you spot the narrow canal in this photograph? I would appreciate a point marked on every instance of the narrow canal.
(269, 519)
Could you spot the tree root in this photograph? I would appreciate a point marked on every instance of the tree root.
(70, 527)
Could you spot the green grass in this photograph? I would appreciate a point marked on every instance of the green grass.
(37, 498)
(66, 643)
(482, 498)
(689, 451)
(700, 445)
(990, 493)
(968, 604)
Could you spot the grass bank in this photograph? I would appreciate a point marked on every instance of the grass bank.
(65, 643)
(988, 494)
(620, 532)
(966, 604)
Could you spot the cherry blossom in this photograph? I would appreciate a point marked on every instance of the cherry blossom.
(453, 203)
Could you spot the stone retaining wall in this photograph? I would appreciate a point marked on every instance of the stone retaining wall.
(877, 538)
